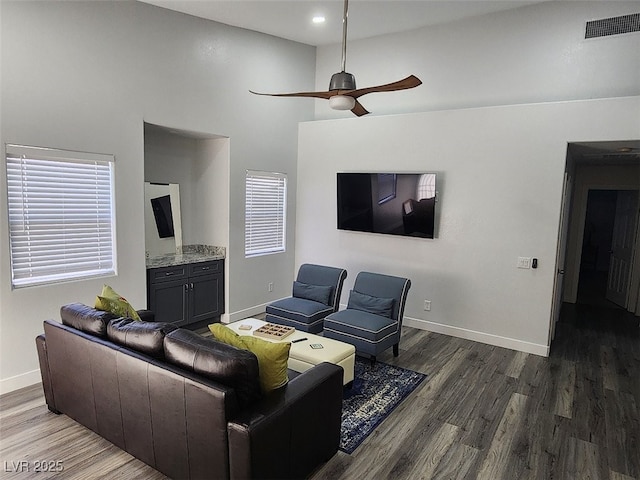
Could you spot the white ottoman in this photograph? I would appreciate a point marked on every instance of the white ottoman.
(301, 356)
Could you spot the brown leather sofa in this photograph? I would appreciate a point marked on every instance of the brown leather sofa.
(189, 406)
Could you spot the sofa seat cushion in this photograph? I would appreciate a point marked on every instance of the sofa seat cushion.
(363, 325)
(299, 310)
(273, 357)
(145, 337)
(230, 366)
(86, 319)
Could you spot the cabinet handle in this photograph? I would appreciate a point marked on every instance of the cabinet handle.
(205, 268)
(191, 286)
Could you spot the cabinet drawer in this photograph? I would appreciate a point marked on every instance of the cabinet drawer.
(205, 268)
(164, 274)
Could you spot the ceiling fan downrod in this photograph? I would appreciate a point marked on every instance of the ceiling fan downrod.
(343, 80)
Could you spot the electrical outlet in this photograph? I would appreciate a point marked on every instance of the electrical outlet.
(427, 305)
(270, 286)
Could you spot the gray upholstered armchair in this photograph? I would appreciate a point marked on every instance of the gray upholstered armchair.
(316, 294)
(373, 318)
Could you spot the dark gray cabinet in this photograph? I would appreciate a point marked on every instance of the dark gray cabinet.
(186, 294)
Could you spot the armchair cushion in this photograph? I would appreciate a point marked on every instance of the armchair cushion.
(361, 324)
(367, 303)
(317, 293)
(299, 311)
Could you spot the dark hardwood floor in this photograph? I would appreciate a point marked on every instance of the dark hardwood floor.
(484, 412)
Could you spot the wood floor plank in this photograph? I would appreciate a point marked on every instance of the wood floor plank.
(582, 460)
(430, 453)
(484, 420)
(623, 432)
(514, 369)
(565, 390)
(589, 401)
(458, 463)
(498, 460)
(619, 476)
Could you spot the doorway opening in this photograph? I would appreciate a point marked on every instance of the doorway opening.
(598, 261)
(596, 249)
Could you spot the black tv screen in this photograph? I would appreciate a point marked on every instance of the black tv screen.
(390, 203)
(161, 207)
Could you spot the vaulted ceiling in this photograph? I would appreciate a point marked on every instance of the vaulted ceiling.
(292, 19)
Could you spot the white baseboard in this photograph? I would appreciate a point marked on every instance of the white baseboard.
(488, 338)
(20, 381)
(246, 313)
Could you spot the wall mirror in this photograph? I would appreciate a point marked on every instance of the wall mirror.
(162, 218)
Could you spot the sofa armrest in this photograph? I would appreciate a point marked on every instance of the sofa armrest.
(146, 315)
(292, 431)
(43, 359)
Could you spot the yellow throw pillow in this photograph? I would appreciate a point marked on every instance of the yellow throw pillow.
(272, 357)
(111, 301)
(226, 335)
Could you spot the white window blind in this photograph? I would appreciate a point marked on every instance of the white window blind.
(61, 215)
(265, 214)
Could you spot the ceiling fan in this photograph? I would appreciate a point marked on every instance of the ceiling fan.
(342, 93)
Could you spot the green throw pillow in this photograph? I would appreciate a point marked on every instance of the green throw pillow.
(111, 301)
(272, 357)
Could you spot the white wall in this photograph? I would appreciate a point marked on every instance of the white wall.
(530, 54)
(86, 76)
(211, 180)
(500, 175)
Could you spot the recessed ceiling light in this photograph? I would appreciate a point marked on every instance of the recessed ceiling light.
(318, 19)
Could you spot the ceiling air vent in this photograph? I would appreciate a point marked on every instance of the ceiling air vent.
(613, 26)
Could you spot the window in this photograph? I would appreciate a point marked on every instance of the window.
(61, 220)
(386, 187)
(426, 186)
(265, 215)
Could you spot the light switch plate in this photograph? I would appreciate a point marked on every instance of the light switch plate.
(524, 262)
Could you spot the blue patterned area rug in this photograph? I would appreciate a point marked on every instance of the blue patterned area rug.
(377, 390)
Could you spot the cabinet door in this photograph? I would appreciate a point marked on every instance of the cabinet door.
(168, 300)
(206, 299)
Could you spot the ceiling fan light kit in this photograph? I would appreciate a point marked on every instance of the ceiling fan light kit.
(342, 94)
(342, 102)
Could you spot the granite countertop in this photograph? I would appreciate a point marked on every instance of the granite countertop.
(187, 254)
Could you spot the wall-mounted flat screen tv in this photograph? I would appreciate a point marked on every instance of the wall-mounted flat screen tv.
(161, 207)
(390, 203)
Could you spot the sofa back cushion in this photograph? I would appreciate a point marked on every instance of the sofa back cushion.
(86, 319)
(145, 337)
(223, 363)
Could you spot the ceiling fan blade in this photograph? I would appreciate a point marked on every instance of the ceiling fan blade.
(410, 82)
(359, 110)
(325, 95)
